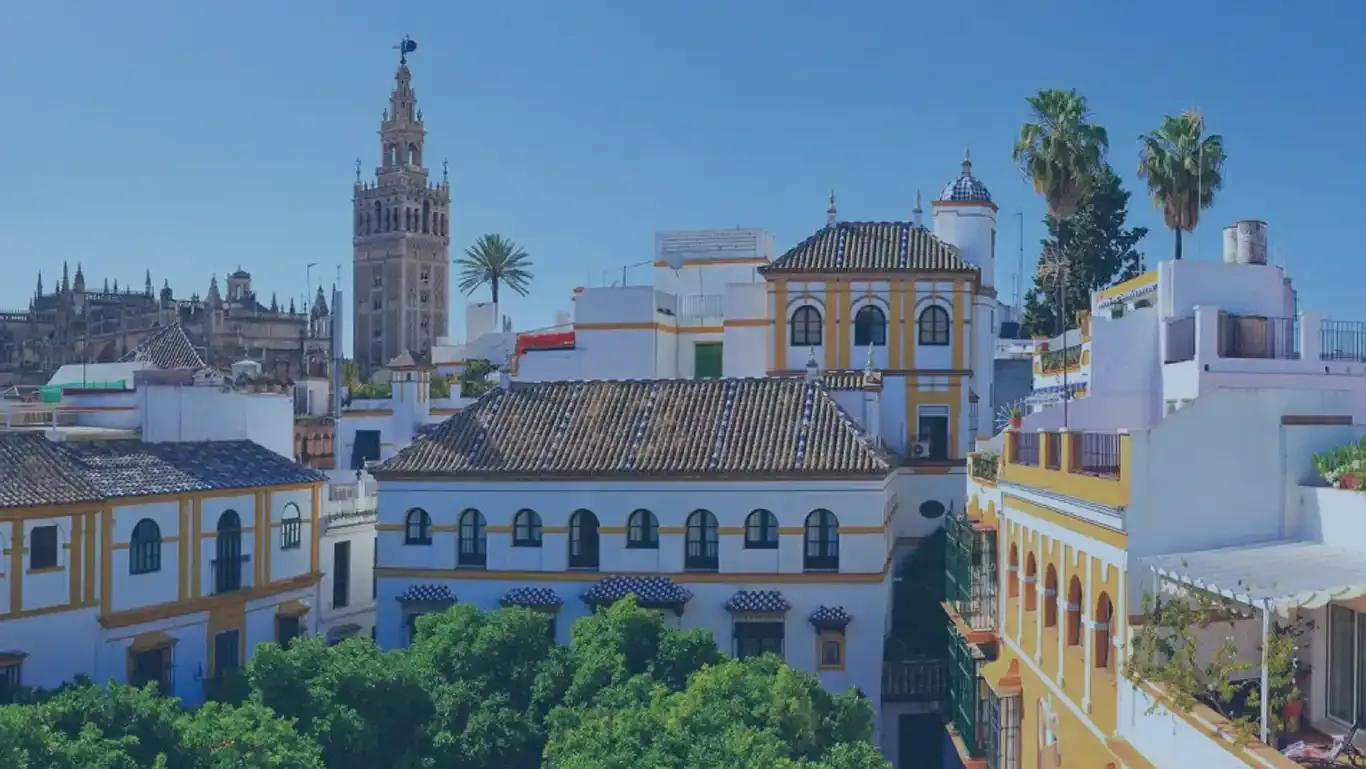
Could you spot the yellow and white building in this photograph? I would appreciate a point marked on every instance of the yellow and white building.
(150, 562)
(1187, 465)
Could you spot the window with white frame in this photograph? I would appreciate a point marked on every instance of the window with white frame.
(1346, 635)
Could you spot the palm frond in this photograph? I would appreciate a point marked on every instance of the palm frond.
(1182, 168)
(495, 260)
(1060, 150)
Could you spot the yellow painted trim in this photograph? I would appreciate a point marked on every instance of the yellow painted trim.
(1112, 492)
(648, 326)
(1145, 279)
(88, 593)
(209, 603)
(960, 315)
(368, 413)
(126, 545)
(58, 511)
(745, 323)
(611, 530)
(845, 336)
(896, 313)
(16, 567)
(593, 576)
(780, 333)
(75, 559)
(1109, 536)
(315, 532)
(499, 529)
(445, 412)
(196, 549)
(183, 551)
(830, 298)
(717, 262)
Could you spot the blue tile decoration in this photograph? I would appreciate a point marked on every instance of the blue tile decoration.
(746, 601)
(650, 592)
(532, 598)
(427, 594)
(830, 618)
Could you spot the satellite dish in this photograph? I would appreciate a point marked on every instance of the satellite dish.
(675, 260)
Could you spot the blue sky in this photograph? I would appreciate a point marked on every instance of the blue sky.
(190, 138)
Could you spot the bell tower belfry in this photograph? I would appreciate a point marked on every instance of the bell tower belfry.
(401, 238)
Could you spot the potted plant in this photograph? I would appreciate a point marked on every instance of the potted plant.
(1016, 418)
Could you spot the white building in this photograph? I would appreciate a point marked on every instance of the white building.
(1184, 461)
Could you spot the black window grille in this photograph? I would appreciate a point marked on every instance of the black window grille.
(755, 638)
(417, 527)
(702, 544)
(761, 531)
(144, 549)
(526, 529)
(583, 540)
(806, 327)
(473, 540)
(822, 542)
(870, 327)
(291, 528)
(642, 531)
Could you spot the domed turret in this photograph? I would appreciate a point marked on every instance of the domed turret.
(966, 188)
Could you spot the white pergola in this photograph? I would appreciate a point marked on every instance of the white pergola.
(1272, 577)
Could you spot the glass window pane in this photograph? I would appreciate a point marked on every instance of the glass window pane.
(1341, 662)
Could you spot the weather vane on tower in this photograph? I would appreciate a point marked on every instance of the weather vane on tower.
(405, 47)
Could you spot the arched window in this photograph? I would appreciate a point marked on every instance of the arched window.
(822, 541)
(1074, 611)
(702, 544)
(642, 531)
(414, 157)
(426, 216)
(1104, 614)
(472, 540)
(417, 527)
(1050, 597)
(870, 327)
(291, 528)
(1031, 583)
(227, 565)
(761, 531)
(526, 529)
(1013, 572)
(806, 327)
(144, 550)
(407, 219)
(583, 540)
(934, 326)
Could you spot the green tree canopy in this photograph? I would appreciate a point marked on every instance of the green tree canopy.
(476, 690)
(1097, 247)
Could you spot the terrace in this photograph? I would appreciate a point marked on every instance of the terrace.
(1078, 464)
(1210, 335)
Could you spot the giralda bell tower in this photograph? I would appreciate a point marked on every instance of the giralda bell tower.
(402, 244)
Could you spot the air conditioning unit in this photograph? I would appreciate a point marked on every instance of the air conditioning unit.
(920, 450)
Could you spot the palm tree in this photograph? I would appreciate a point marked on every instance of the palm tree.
(496, 261)
(1182, 170)
(1060, 150)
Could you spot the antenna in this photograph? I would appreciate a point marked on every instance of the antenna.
(675, 260)
(1019, 272)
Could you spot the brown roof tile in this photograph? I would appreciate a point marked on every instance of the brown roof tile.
(168, 348)
(870, 247)
(35, 472)
(676, 427)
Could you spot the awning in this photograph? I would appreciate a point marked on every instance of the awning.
(1286, 574)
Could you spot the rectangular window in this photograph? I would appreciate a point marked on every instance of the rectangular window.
(286, 629)
(1003, 731)
(152, 667)
(830, 650)
(932, 433)
(42, 552)
(11, 678)
(755, 638)
(1341, 662)
(707, 360)
(227, 652)
(341, 574)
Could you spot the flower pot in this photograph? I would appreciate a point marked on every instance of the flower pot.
(1016, 423)
(1292, 712)
(1347, 481)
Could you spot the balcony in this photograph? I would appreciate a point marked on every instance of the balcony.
(916, 680)
(970, 580)
(983, 467)
(967, 697)
(1299, 344)
(1091, 466)
(693, 308)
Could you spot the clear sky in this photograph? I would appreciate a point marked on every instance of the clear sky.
(189, 138)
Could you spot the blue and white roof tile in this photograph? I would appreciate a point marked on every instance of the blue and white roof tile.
(830, 618)
(532, 598)
(758, 601)
(653, 592)
(427, 594)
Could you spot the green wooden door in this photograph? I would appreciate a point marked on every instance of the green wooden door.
(706, 360)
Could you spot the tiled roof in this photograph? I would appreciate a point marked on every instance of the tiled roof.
(134, 468)
(764, 426)
(830, 618)
(758, 601)
(842, 380)
(532, 597)
(427, 594)
(34, 472)
(651, 592)
(168, 347)
(870, 247)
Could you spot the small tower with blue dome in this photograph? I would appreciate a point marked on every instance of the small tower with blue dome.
(965, 217)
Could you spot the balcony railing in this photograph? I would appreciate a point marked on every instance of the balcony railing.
(966, 695)
(1246, 336)
(1055, 361)
(1180, 340)
(1025, 449)
(917, 680)
(1096, 454)
(970, 574)
(1052, 455)
(983, 467)
(1342, 340)
(694, 306)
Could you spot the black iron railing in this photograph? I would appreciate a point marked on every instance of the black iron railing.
(1026, 449)
(966, 700)
(1180, 340)
(915, 680)
(1097, 454)
(1342, 340)
(1052, 451)
(1249, 336)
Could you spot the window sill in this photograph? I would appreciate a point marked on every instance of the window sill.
(830, 668)
(526, 543)
(471, 567)
(583, 568)
(47, 570)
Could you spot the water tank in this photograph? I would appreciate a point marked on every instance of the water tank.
(249, 367)
(1231, 243)
(1251, 242)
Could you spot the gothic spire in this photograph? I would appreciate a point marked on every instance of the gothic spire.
(66, 282)
(148, 287)
(402, 132)
(40, 283)
(274, 305)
